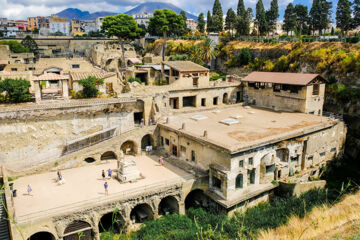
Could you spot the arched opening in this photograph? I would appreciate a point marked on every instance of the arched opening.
(141, 213)
(112, 222)
(108, 62)
(108, 156)
(283, 154)
(147, 141)
(239, 183)
(225, 98)
(42, 236)
(196, 199)
(129, 148)
(89, 160)
(168, 205)
(78, 228)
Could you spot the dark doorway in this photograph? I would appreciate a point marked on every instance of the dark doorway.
(196, 199)
(168, 205)
(189, 101)
(112, 222)
(142, 213)
(215, 101)
(42, 236)
(225, 98)
(89, 160)
(73, 230)
(203, 102)
(129, 148)
(147, 140)
(142, 77)
(238, 97)
(138, 116)
(108, 156)
(174, 150)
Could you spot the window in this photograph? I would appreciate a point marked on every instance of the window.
(295, 159)
(322, 154)
(241, 163)
(203, 102)
(270, 169)
(251, 161)
(31, 68)
(193, 158)
(251, 176)
(167, 142)
(195, 82)
(162, 141)
(239, 181)
(182, 149)
(14, 69)
(333, 150)
(310, 158)
(216, 182)
(316, 89)
(76, 66)
(277, 87)
(215, 101)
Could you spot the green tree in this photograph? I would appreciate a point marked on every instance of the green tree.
(209, 26)
(241, 8)
(16, 90)
(302, 18)
(230, 21)
(343, 16)
(320, 15)
(272, 15)
(201, 23)
(289, 18)
(15, 46)
(356, 14)
(29, 43)
(244, 57)
(260, 19)
(89, 85)
(165, 22)
(207, 52)
(217, 17)
(184, 28)
(124, 27)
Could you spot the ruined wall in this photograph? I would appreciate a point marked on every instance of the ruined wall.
(36, 139)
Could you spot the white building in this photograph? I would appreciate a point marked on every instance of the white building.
(143, 18)
(59, 24)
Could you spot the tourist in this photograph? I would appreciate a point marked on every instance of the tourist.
(59, 175)
(106, 186)
(103, 174)
(142, 123)
(61, 180)
(161, 161)
(29, 189)
(109, 172)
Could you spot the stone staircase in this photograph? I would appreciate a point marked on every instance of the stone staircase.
(4, 228)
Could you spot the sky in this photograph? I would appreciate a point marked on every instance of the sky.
(21, 9)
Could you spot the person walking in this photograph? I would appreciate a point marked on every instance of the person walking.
(103, 174)
(161, 161)
(109, 172)
(106, 186)
(29, 189)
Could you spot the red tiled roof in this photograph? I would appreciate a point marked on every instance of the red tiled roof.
(76, 76)
(282, 78)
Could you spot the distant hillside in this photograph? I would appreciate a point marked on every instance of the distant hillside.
(150, 7)
(74, 13)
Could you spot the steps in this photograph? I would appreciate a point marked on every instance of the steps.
(4, 228)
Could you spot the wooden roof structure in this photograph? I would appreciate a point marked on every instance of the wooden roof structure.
(301, 79)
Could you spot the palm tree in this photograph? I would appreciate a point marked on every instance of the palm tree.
(207, 51)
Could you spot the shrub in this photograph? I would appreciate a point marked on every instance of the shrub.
(134, 79)
(245, 56)
(179, 57)
(17, 90)
(15, 46)
(89, 85)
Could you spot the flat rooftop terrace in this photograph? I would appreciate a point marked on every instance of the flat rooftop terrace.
(241, 128)
(85, 187)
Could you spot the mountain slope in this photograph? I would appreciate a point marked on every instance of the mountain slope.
(150, 7)
(74, 13)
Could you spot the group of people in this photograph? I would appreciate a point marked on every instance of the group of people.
(60, 181)
(106, 185)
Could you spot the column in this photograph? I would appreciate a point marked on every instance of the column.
(65, 89)
(182, 208)
(37, 91)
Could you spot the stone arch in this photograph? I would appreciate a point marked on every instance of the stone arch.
(147, 140)
(267, 168)
(90, 160)
(109, 155)
(42, 236)
(239, 181)
(225, 98)
(129, 147)
(283, 154)
(74, 228)
(141, 213)
(112, 221)
(196, 199)
(108, 62)
(168, 205)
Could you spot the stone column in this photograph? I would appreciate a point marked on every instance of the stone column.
(65, 89)
(182, 208)
(147, 110)
(37, 88)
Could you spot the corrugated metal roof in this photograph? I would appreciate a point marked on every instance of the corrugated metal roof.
(185, 66)
(76, 76)
(282, 78)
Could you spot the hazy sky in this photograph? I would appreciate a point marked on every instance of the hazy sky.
(21, 9)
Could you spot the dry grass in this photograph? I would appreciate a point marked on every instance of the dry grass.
(322, 223)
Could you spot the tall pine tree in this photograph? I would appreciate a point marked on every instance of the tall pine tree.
(243, 19)
(343, 16)
(240, 8)
(201, 23)
(261, 18)
(209, 25)
(217, 17)
(230, 21)
(272, 15)
(320, 15)
(302, 18)
(289, 18)
(356, 13)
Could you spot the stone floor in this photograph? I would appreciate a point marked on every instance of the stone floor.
(86, 184)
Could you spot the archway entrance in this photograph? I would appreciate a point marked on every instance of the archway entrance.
(76, 228)
(168, 205)
(196, 199)
(147, 140)
(141, 213)
(89, 160)
(129, 148)
(283, 154)
(225, 98)
(42, 236)
(108, 156)
(112, 222)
